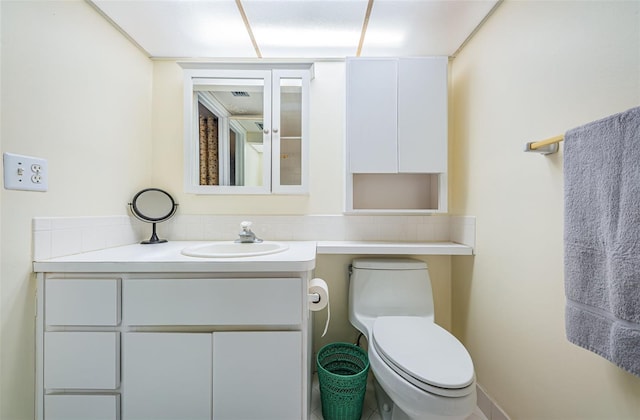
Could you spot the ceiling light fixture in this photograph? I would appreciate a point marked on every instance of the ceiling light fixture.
(305, 37)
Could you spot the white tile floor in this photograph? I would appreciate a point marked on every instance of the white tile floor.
(370, 409)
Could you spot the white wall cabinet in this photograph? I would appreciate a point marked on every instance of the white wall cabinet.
(183, 346)
(260, 143)
(396, 133)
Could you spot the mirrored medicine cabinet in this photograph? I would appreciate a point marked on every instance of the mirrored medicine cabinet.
(246, 128)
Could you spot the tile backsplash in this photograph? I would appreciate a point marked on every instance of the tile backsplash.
(59, 236)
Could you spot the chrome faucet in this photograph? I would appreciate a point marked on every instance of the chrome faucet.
(246, 236)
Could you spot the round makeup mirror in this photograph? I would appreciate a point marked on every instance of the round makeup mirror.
(153, 205)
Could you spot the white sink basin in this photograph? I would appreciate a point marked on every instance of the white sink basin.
(229, 249)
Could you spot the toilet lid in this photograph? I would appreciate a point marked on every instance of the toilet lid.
(424, 351)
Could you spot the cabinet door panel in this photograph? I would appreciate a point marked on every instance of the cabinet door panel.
(371, 115)
(82, 360)
(422, 115)
(81, 407)
(290, 145)
(213, 301)
(167, 376)
(257, 375)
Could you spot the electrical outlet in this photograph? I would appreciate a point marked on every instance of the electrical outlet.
(25, 172)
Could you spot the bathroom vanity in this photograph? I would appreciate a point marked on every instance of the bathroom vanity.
(144, 332)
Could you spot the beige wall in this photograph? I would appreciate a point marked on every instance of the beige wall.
(77, 93)
(71, 83)
(536, 69)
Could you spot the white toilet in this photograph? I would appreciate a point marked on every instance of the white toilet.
(421, 371)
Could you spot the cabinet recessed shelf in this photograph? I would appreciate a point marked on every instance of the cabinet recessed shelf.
(395, 191)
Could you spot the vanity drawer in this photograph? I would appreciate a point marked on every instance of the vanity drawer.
(81, 360)
(81, 407)
(82, 302)
(272, 301)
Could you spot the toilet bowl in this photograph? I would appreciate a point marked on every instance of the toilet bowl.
(421, 371)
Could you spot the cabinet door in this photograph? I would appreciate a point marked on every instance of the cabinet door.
(257, 375)
(290, 143)
(371, 115)
(167, 376)
(228, 137)
(422, 115)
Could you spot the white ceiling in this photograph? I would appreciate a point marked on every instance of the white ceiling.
(295, 28)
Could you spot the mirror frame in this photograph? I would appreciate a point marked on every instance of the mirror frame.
(192, 155)
(135, 210)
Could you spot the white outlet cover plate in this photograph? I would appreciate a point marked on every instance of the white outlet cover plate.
(25, 173)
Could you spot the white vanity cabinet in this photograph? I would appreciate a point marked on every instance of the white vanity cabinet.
(133, 346)
(396, 133)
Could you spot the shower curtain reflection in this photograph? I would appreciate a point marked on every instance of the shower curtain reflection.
(208, 150)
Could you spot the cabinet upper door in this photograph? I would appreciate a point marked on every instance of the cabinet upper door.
(371, 115)
(422, 115)
(290, 131)
(396, 115)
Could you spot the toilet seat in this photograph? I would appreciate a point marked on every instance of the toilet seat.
(424, 354)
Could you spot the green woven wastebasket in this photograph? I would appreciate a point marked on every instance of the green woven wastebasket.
(342, 373)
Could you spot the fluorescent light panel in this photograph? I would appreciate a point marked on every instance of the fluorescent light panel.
(287, 28)
(295, 28)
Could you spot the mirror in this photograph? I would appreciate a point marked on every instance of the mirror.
(230, 131)
(153, 205)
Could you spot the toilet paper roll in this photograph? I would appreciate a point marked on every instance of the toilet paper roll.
(319, 287)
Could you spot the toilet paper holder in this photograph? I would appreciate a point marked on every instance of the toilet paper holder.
(314, 297)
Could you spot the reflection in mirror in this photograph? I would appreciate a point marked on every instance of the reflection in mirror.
(153, 205)
(230, 119)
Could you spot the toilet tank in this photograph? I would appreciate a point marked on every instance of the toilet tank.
(389, 287)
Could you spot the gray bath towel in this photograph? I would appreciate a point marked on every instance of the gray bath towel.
(602, 238)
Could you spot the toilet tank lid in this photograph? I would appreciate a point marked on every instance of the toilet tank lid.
(389, 264)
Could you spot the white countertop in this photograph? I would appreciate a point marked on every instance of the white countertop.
(393, 248)
(167, 257)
